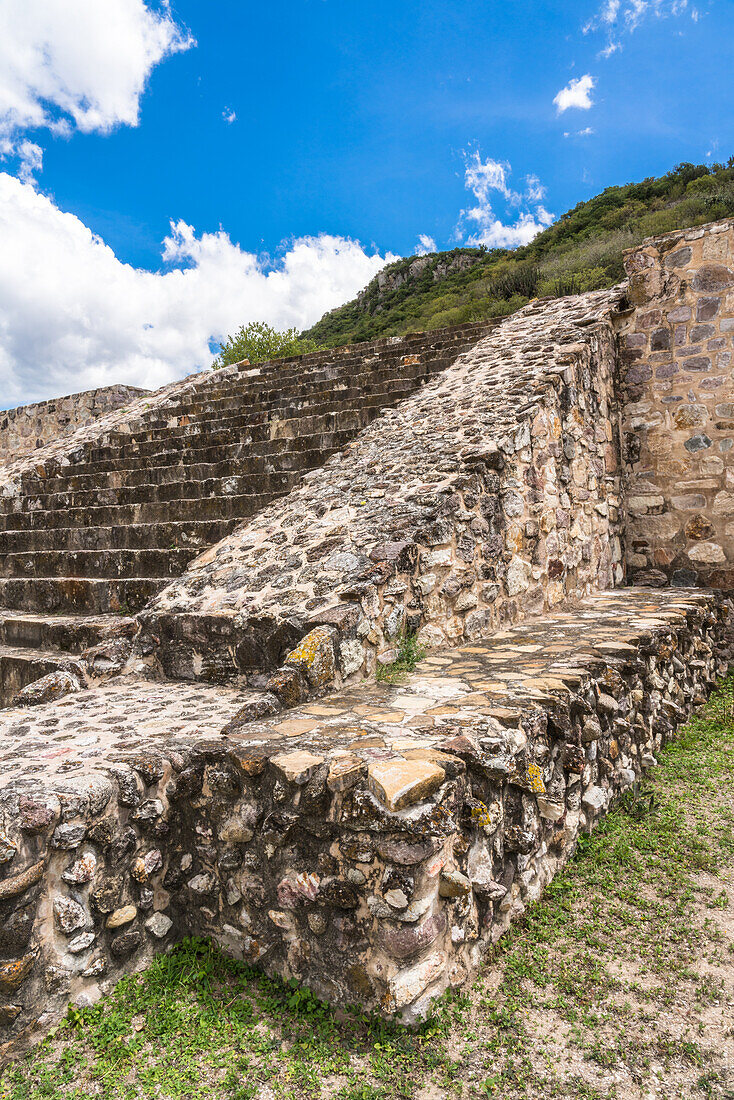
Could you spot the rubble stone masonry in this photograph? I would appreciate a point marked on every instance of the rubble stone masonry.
(203, 743)
(678, 393)
(25, 429)
(490, 494)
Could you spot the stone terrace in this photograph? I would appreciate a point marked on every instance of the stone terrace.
(101, 520)
(370, 845)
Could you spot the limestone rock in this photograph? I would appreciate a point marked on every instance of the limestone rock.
(314, 656)
(55, 685)
(401, 783)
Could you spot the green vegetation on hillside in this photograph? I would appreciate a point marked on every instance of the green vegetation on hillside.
(581, 251)
(259, 342)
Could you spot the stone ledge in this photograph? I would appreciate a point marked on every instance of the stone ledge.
(370, 845)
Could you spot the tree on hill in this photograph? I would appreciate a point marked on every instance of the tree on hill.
(582, 250)
(258, 342)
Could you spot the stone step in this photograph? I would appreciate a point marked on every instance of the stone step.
(274, 454)
(267, 484)
(65, 633)
(133, 474)
(156, 562)
(78, 595)
(22, 666)
(141, 536)
(218, 433)
(284, 402)
(267, 442)
(214, 508)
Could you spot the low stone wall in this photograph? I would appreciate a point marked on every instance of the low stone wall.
(678, 391)
(492, 493)
(374, 857)
(29, 427)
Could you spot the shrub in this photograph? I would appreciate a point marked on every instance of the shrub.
(258, 342)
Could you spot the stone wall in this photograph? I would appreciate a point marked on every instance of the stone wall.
(375, 856)
(678, 389)
(25, 429)
(491, 494)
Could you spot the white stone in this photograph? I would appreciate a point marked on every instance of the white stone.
(596, 798)
(407, 985)
(431, 636)
(351, 656)
(551, 811)
(81, 943)
(707, 552)
(159, 925)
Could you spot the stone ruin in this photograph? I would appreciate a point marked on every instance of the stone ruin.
(198, 593)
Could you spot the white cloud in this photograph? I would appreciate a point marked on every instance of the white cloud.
(81, 64)
(229, 115)
(587, 132)
(635, 11)
(576, 94)
(627, 15)
(535, 191)
(30, 160)
(73, 317)
(425, 244)
(482, 177)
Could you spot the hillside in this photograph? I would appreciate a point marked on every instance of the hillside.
(581, 251)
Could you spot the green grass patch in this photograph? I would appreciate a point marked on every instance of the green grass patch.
(409, 654)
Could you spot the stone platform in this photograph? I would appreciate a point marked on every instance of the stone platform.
(369, 844)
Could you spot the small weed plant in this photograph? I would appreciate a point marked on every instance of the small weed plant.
(409, 654)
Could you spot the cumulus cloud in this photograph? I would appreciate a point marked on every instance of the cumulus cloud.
(576, 94)
(229, 115)
(425, 244)
(78, 64)
(586, 132)
(482, 178)
(73, 316)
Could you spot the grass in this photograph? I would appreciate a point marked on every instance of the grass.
(409, 654)
(617, 983)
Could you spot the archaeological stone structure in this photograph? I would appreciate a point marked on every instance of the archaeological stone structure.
(29, 427)
(200, 594)
(679, 418)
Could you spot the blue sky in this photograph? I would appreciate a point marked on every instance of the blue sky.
(307, 140)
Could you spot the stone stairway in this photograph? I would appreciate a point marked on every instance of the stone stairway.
(368, 840)
(90, 533)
